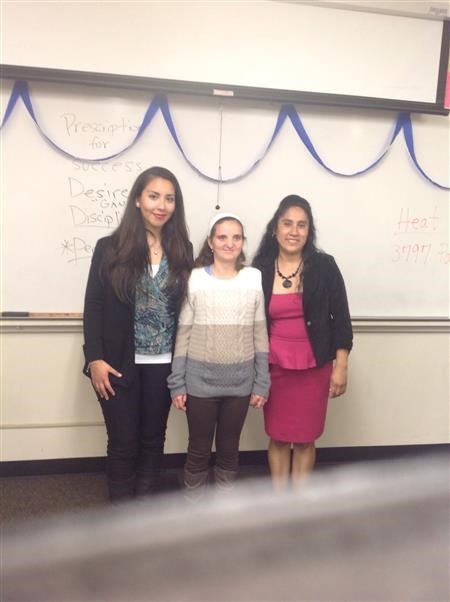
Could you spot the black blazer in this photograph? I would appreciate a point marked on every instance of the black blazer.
(108, 323)
(325, 305)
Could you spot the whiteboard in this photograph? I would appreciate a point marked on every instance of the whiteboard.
(388, 229)
(285, 46)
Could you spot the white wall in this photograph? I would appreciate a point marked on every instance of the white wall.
(397, 395)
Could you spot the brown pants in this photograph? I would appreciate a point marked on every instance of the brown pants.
(220, 416)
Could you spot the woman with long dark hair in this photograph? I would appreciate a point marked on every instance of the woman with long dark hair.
(137, 282)
(310, 337)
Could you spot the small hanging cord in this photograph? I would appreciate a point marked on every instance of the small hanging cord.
(219, 169)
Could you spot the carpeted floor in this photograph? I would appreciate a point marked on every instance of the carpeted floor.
(28, 497)
(43, 495)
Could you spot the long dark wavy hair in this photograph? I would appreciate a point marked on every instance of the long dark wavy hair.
(206, 256)
(126, 257)
(268, 247)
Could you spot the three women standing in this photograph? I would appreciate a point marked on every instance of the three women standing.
(310, 337)
(220, 361)
(137, 282)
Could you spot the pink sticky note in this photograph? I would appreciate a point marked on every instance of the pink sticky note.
(447, 92)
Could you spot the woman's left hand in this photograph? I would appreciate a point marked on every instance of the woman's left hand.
(257, 401)
(179, 401)
(338, 381)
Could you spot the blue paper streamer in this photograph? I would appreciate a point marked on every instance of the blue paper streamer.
(160, 103)
(15, 95)
(171, 127)
(21, 90)
(303, 135)
(409, 139)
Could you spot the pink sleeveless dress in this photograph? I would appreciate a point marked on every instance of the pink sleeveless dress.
(296, 409)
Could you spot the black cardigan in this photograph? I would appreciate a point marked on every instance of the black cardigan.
(325, 304)
(108, 323)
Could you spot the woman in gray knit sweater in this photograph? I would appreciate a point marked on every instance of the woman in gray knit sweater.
(220, 364)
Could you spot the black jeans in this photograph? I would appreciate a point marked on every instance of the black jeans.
(223, 416)
(136, 420)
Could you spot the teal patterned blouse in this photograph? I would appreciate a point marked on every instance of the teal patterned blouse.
(154, 318)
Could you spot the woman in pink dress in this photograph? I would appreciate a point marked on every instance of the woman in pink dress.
(310, 337)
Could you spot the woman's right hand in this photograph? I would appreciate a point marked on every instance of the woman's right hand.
(100, 371)
(179, 401)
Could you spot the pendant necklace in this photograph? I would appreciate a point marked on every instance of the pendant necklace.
(287, 279)
(152, 250)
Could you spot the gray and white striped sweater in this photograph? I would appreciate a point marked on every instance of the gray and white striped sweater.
(221, 345)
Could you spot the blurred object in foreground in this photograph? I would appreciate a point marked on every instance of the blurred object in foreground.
(376, 531)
